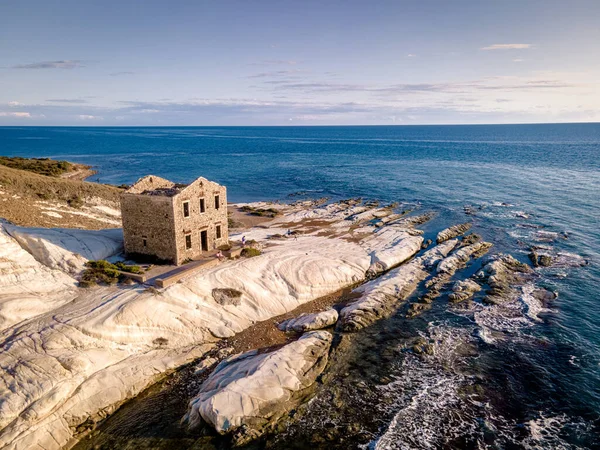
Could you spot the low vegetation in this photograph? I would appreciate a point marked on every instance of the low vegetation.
(250, 252)
(26, 184)
(41, 166)
(261, 212)
(104, 272)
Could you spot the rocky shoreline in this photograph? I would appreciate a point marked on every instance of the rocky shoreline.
(95, 349)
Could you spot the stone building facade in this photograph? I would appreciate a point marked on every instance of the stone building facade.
(173, 222)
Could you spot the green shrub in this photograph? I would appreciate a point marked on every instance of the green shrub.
(99, 272)
(86, 283)
(262, 212)
(250, 252)
(75, 202)
(224, 247)
(125, 268)
(160, 341)
(42, 166)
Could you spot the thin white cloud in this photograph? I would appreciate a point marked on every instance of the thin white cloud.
(120, 74)
(76, 101)
(507, 47)
(276, 73)
(14, 104)
(517, 60)
(411, 55)
(89, 117)
(275, 62)
(23, 115)
(62, 64)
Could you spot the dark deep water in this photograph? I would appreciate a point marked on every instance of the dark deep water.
(537, 388)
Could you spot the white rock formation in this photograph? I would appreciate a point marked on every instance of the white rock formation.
(78, 362)
(28, 288)
(452, 232)
(381, 295)
(256, 389)
(459, 258)
(308, 322)
(391, 246)
(81, 361)
(68, 249)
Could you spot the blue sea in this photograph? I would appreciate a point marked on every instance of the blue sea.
(526, 184)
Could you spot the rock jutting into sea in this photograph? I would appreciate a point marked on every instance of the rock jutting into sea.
(308, 322)
(444, 271)
(379, 297)
(93, 354)
(253, 390)
(463, 290)
(452, 232)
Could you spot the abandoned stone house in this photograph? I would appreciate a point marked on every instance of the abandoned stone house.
(173, 222)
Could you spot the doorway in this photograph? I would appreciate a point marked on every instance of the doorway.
(204, 240)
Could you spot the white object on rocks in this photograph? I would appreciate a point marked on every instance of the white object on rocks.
(308, 322)
(255, 389)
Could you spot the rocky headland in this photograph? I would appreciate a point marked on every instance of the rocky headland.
(72, 356)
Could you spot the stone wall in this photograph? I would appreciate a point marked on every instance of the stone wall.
(149, 218)
(198, 221)
(149, 183)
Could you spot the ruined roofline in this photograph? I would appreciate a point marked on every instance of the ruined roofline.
(157, 186)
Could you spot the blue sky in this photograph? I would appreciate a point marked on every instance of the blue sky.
(298, 62)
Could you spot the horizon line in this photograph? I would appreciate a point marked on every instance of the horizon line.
(304, 125)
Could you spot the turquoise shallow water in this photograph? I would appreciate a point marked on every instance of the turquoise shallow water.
(513, 175)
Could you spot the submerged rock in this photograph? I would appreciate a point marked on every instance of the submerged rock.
(540, 259)
(544, 296)
(308, 322)
(444, 271)
(380, 296)
(422, 346)
(253, 390)
(502, 272)
(417, 308)
(452, 232)
(470, 238)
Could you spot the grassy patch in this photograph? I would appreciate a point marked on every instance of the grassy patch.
(41, 166)
(103, 272)
(99, 272)
(42, 187)
(125, 268)
(250, 252)
(261, 212)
